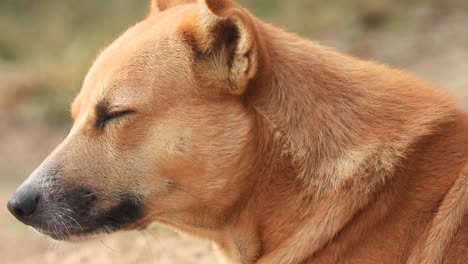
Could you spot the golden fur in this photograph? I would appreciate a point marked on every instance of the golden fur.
(275, 148)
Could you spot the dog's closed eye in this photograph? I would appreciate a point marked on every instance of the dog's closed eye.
(103, 120)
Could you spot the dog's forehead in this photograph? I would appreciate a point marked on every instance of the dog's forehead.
(149, 56)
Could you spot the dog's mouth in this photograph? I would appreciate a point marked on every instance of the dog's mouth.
(73, 230)
(80, 226)
(78, 215)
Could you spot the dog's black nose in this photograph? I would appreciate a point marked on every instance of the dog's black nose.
(23, 204)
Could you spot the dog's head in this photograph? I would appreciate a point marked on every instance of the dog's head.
(161, 130)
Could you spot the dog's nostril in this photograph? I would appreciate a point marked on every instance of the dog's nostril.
(18, 211)
(23, 205)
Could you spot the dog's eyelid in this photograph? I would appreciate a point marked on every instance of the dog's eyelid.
(109, 115)
(116, 113)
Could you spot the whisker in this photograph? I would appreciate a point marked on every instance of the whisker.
(63, 223)
(75, 221)
(108, 247)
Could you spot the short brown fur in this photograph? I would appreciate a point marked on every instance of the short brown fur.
(275, 148)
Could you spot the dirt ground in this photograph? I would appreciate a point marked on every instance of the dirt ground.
(438, 53)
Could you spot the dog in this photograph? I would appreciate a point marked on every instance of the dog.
(279, 150)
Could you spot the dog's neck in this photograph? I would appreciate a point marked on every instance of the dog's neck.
(332, 113)
(332, 129)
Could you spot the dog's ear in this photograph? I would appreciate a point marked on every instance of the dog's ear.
(224, 39)
(161, 5)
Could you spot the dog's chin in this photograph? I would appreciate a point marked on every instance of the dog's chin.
(87, 237)
(76, 237)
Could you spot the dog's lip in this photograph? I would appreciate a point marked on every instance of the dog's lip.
(82, 234)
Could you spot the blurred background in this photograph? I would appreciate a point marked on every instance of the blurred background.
(47, 46)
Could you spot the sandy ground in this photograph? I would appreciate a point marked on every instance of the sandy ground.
(438, 54)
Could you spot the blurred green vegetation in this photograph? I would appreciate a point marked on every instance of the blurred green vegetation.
(54, 42)
(48, 45)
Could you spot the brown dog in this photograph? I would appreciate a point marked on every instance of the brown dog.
(205, 119)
